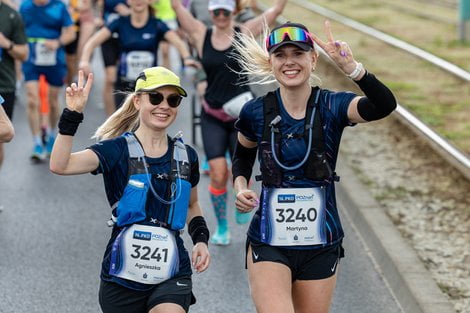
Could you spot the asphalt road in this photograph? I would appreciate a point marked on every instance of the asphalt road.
(53, 233)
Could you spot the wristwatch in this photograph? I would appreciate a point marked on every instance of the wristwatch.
(11, 46)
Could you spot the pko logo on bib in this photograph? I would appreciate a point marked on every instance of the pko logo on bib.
(286, 198)
(142, 235)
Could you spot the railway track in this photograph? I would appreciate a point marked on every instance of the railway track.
(448, 151)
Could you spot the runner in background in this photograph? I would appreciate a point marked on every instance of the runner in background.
(224, 95)
(13, 47)
(15, 5)
(164, 12)
(139, 37)
(88, 24)
(110, 49)
(48, 28)
(198, 9)
(71, 49)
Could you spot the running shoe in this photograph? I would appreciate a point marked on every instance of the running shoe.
(242, 218)
(38, 153)
(50, 145)
(221, 236)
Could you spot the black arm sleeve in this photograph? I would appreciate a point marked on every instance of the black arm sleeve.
(197, 229)
(379, 101)
(243, 161)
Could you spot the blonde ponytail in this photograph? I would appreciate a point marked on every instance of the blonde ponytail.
(126, 118)
(253, 58)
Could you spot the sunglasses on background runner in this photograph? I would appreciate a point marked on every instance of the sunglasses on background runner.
(225, 12)
(156, 98)
(293, 33)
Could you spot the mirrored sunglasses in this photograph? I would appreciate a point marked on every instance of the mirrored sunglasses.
(225, 12)
(156, 98)
(291, 32)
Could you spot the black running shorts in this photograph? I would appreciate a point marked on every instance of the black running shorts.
(115, 298)
(217, 136)
(312, 264)
(8, 104)
(110, 50)
(72, 47)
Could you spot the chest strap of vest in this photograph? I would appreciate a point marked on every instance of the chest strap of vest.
(180, 165)
(316, 166)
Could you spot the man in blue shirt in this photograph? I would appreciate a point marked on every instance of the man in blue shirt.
(48, 27)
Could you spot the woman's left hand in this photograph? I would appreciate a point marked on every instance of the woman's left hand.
(200, 257)
(338, 51)
(190, 61)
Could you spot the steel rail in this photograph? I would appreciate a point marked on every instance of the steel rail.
(450, 153)
(439, 62)
(421, 13)
(445, 4)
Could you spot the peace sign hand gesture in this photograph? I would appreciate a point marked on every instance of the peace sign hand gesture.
(76, 95)
(338, 51)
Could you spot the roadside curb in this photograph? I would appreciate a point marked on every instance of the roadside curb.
(410, 282)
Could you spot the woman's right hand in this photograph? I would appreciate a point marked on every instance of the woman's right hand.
(76, 95)
(246, 201)
(338, 51)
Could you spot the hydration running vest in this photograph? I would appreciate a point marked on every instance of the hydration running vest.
(130, 208)
(316, 167)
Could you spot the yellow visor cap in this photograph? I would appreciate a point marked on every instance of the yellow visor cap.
(156, 77)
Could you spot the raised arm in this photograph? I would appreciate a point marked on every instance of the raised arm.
(172, 37)
(190, 25)
(378, 101)
(63, 161)
(96, 40)
(255, 26)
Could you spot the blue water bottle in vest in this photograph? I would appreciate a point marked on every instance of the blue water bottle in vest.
(180, 187)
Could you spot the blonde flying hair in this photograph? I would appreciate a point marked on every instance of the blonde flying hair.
(253, 58)
(125, 119)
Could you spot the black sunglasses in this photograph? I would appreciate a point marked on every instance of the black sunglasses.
(173, 100)
(225, 12)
